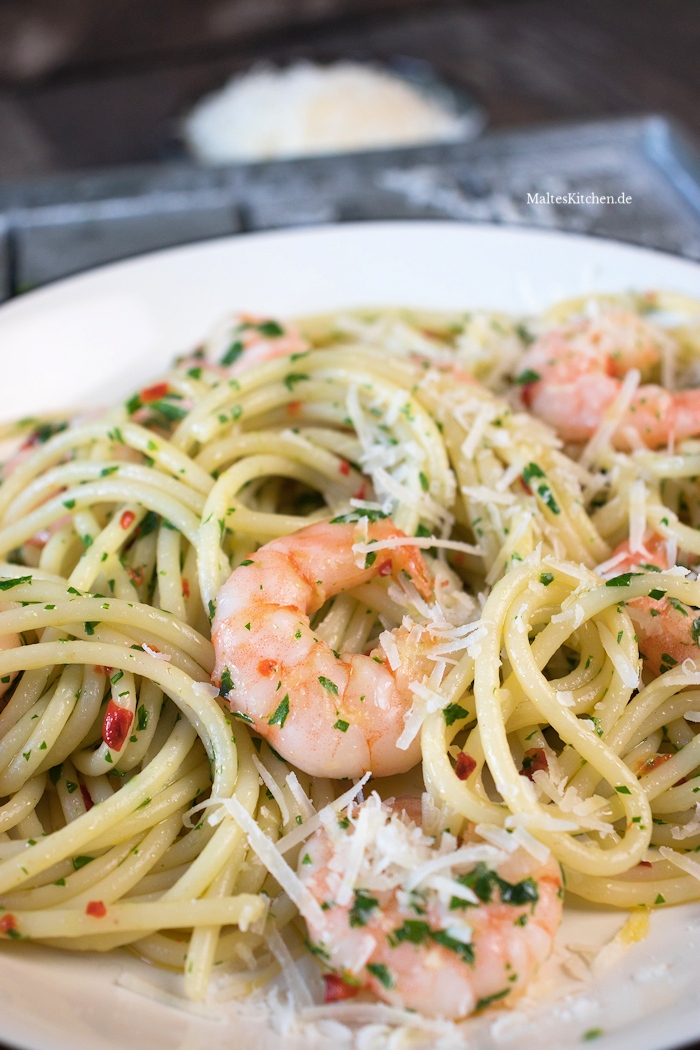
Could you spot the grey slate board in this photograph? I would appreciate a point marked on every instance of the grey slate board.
(64, 224)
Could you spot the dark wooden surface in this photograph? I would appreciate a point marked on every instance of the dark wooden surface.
(115, 88)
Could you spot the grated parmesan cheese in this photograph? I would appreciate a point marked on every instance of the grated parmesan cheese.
(271, 858)
(156, 653)
(273, 787)
(301, 798)
(298, 989)
(303, 831)
(681, 860)
(691, 828)
(638, 518)
(309, 109)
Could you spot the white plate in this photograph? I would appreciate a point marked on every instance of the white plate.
(96, 337)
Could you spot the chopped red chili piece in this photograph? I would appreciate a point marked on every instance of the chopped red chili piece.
(8, 922)
(266, 668)
(385, 569)
(644, 864)
(96, 909)
(533, 761)
(465, 765)
(344, 467)
(127, 519)
(116, 725)
(337, 988)
(526, 393)
(185, 588)
(293, 407)
(154, 393)
(86, 797)
(136, 575)
(361, 492)
(655, 762)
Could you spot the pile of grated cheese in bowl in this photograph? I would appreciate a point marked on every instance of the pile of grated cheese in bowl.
(306, 109)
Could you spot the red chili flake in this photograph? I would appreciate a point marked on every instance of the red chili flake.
(655, 762)
(7, 923)
(526, 394)
(267, 668)
(533, 760)
(154, 393)
(136, 575)
(361, 492)
(96, 909)
(127, 519)
(99, 669)
(644, 863)
(116, 725)
(185, 588)
(337, 988)
(465, 765)
(344, 467)
(384, 569)
(293, 407)
(86, 797)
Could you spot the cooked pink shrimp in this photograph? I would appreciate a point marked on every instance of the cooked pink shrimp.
(576, 372)
(258, 339)
(666, 631)
(425, 948)
(331, 715)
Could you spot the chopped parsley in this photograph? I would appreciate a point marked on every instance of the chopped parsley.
(362, 906)
(280, 715)
(381, 972)
(528, 376)
(454, 712)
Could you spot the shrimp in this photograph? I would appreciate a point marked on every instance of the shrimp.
(257, 339)
(331, 715)
(667, 631)
(464, 936)
(574, 373)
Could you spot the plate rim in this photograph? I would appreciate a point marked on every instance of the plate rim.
(322, 230)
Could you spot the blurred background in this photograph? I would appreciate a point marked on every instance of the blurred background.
(582, 94)
(86, 84)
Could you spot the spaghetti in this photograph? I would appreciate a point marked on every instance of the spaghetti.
(140, 800)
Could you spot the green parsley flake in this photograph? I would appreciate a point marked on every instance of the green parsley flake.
(6, 585)
(623, 580)
(488, 999)
(528, 376)
(453, 713)
(362, 906)
(280, 715)
(382, 973)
